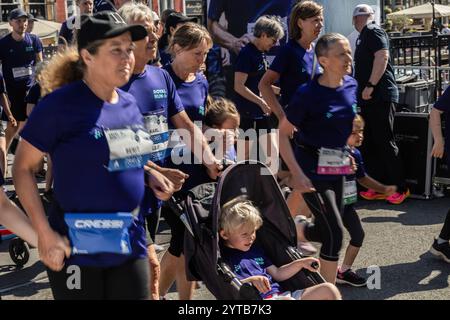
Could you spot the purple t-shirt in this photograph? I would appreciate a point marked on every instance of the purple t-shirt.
(360, 171)
(193, 96)
(295, 66)
(254, 63)
(250, 263)
(69, 124)
(156, 96)
(324, 117)
(19, 57)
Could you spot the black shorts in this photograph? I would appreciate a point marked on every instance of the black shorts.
(268, 123)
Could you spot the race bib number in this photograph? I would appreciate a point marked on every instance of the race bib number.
(350, 192)
(334, 162)
(158, 129)
(129, 149)
(93, 233)
(22, 72)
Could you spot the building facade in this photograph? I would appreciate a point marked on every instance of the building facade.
(54, 10)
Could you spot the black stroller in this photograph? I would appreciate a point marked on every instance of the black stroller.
(200, 213)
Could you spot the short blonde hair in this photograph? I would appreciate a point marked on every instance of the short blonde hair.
(236, 213)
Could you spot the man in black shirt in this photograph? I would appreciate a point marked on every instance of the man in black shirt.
(377, 98)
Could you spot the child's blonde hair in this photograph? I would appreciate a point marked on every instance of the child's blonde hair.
(358, 121)
(218, 111)
(238, 212)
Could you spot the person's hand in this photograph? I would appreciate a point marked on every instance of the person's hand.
(353, 164)
(12, 120)
(175, 176)
(264, 107)
(161, 186)
(367, 93)
(300, 182)
(238, 44)
(306, 263)
(260, 282)
(287, 128)
(388, 190)
(214, 170)
(438, 149)
(53, 249)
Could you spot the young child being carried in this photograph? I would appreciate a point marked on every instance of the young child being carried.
(351, 221)
(238, 224)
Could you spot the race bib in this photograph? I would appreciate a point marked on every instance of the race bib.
(158, 129)
(334, 162)
(22, 72)
(350, 192)
(129, 149)
(93, 233)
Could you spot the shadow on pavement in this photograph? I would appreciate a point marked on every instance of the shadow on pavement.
(426, 274)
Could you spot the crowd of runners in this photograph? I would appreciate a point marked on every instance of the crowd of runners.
(134, 109)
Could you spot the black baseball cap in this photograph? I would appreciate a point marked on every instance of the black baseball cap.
(106, 25)
(17, 13)
(175, 18)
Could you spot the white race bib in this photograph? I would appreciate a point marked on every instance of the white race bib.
(22, 72)
(129, 149)
(334, 162)
(350, 192)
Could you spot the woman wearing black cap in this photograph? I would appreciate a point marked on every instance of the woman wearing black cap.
(95, 137)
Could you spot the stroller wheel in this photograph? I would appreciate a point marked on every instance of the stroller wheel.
(19, 252)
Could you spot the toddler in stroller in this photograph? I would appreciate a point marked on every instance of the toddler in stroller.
(277, 236)
(238, 224)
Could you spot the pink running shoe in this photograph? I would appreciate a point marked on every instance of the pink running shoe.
(398, 197)
(372, 195)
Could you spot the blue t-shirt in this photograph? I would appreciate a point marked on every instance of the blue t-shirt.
(34, 94)
(324, 117)
(156, 95)
(360, 171)
(250, 263)
(73, 135)
(65, 32)
(443, 104)
(2, 84)
(241, 15)
(104, 5)
(18, 59)
(254, 63)
(295, 66)
(193, 96)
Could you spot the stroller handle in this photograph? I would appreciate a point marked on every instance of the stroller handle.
(315, 277)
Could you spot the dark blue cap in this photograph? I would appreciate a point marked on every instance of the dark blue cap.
(17, 13)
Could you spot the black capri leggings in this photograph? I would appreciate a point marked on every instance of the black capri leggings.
(353, 225)
(326, 206)
(177, 228)
(445, 232)
(128, 281)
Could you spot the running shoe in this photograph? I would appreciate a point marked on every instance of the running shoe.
(398, 197)
(372, 195)
(441, 250)
(351, 278)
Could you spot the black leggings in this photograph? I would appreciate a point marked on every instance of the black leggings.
(445, 232)
(353, 225)
(326, 206)
(128, 281)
